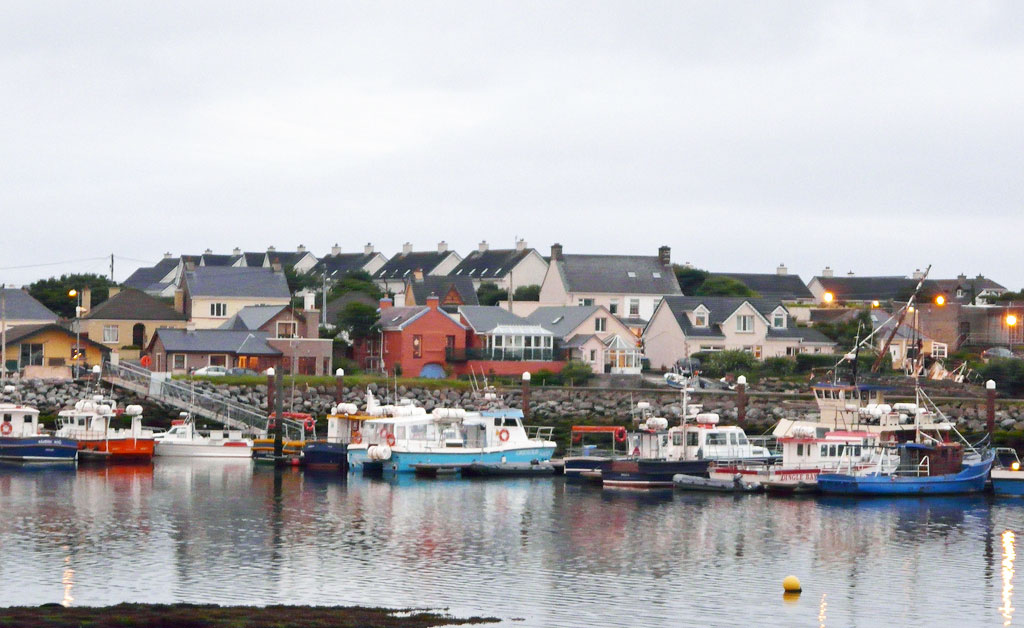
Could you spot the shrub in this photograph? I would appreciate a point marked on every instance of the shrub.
(544, 377)
(1008, 374)
(779, 367)
(527, 293)
(805, 362)
(721, 363)
(576, 372)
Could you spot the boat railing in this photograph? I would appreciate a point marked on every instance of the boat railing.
(539, 432)
(768, 441)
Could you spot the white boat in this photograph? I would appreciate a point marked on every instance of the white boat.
(23, 440)
(184, 440)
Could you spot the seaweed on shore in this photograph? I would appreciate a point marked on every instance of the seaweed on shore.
(212, 616)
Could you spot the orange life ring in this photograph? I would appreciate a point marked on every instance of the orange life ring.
(6, 428)
(620, 435)
(390, 440)
(357, 438)
(146, 361)
(503, 435)
(310, 424)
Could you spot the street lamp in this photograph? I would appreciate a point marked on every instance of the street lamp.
(940, 300)
(828, 297)
(1011, 322)
(75, 294)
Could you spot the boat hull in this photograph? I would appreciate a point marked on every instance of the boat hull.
(585, 467)
(1007, 482)
(650, 473)
(324, 455)
(971, 479)
(116, 450)
(405, 462)
(197, 450)
(39, 449)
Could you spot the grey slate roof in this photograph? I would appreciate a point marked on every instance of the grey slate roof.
(441, 285)
(394, 318)
(489, 264)
(805, 334)
(577, 341)
(286, 258)
(337, 266)
(215, 341)
(403, 265)
(772, 285)
(18, 333)
(719, 309)
(208, 259)
(611, 274)
(252, 317)
(227, 281)
(484, 318)
(872, 288)
(23, 306)
(561, 320)
(131, 304)
(144, 278)
(254, 260)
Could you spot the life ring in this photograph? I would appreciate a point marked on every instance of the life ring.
(620, 435)
(310, 424)
(271, 425)
(503, 435)
(383, 432)
(390, 440)
(357, 438)
(146, 361)
(6, 428)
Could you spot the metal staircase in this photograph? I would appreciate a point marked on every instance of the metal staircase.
(211, 406)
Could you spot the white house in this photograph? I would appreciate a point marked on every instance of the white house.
(506, 268)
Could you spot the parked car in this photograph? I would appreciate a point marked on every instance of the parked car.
(240, 371)
(997, 352)
(211, 371)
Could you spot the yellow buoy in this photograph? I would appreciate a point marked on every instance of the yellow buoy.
(791, 584)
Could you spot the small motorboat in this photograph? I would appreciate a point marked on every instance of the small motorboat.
(184, 440)
(696, 483)
(22, 440)
(1007, 476)
(89, 423)
(509, 469)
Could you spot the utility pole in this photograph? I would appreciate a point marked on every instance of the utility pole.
(3, 335)
(111, 268)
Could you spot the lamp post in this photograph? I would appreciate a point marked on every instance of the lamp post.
(75, 294)
(1011, 322)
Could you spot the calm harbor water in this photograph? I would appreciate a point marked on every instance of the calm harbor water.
(533, 552)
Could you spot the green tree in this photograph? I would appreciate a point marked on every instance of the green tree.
(489, 294)
(300, 281)
(690, 279)
(576, 372)
(527, 293)
(53, 292)
(358, 320)
(358, 281)
(719, 286)
(844, 333)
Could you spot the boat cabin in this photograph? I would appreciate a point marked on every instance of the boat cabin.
(446, 428)
(818, 448)
(701, 439)
(17, 421)
(90, 419)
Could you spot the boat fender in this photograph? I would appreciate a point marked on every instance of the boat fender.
(383, 452)
(357, 438)
(503, 435)
(391, 443)
(6, 428)
(620, 435)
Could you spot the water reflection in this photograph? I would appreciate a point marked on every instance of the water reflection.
(553, 553)
(1009, 554)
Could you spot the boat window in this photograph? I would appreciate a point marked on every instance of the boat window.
(856, 450)
(799, 449)
(742, 438)
(715, 438)
(677, 438)
(511, 422)
(497, 421)
(841, 448)
(400, 432)
(831, 450)
(691, 439)
(824, 451)
(732, 438)
(7, 418)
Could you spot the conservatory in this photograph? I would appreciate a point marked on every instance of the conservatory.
(520, 342)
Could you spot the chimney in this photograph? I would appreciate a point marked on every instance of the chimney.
(782, 270)
(521, 244)
(300, 248)
(367, 249)
(271, 249)
(961, 278)
(86, 300)
(850, 273)
(827, 272)
(433, 302)
(442, 247)
(482, 247)
(385, 303)
(556, 252)
(665, 255)
(407, 248)
(308, 301)
(179, 301)
(918, 274)
(418, 274)
(208, 252)
(236, 251)
(189, 266)
(168, 255)
(113, 291)
(335, 250)
(688, 265)
(276, 265)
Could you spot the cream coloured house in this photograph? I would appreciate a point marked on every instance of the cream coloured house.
(127, 320)
(593, 335)
(209, 295)
(628, 286)
(682, 326)
(392, 275)
(505, 268)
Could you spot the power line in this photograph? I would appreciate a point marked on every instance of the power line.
(72, 261)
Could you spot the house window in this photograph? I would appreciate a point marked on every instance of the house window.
(110, 333)
(745, 323)
(779, 320)
(32, 354)
(601, 324)
(938, 350)
(634, 307)
(613, 306)
(757, 351)
(218, 310)
(449, 342)
(959, 294)
(218, 360)
(593, 355)
(631, 274)
(178, 361)
(700, 319)
(287, 329)
(417, 346)
(656, 275)
(586, 302)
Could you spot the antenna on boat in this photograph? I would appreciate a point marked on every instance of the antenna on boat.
(903, 314)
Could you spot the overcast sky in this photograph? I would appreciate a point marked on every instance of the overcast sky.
(874, 137)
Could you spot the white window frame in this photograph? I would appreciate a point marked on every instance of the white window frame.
(779, 319)
(741, 327)
(294, 326)
(613, 306)
(939, 349)
(174, 361)
(634, 307)
(600, 324)
(585, 302)
(111, 337)
(700, 317)
(219, 310)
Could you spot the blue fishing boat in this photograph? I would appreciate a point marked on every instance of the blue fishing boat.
(921, 469)
(1007, 475)
(21, 440)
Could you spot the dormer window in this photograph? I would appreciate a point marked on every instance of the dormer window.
(779, 319)
(656, 275)
(700, 317)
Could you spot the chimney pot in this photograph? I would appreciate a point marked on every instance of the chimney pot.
(442, 247)
(168, 255)
(335, 250)
(827, 272)
(665, 255)
(271, 249)
(521, 244)
(236, 251)
(556, 252)
(433, 301)
(482, 247)
(368, 249)
(301, 248)
(782, 270)
(385, 303)
(407, 248)
(208, 252)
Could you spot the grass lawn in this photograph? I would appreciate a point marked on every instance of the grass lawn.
(329, 381)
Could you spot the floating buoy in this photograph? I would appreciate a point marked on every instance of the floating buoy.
(791, 584)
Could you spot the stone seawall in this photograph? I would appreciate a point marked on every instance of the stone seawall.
(548, 405)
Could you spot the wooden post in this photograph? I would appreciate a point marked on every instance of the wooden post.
(990, 408)
(526, 396)
(279, 420)
(339, 385)
(741, 400)
(270, 391)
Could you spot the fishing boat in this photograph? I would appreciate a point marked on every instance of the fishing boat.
(89, 423)
(22, 440)
(586, 460)
(184, 440)
(447, 437)
(1007, 475)
(263, 447)
(919, 469)
(344, 428)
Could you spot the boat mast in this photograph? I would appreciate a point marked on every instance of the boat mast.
(3, 335)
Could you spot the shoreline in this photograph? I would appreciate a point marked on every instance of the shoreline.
(213, 616)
